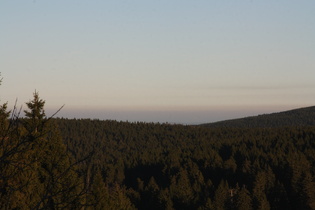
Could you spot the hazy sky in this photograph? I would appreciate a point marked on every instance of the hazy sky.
(168, 60)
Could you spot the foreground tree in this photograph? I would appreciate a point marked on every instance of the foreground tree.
(16, 168)
(61, 186)
(37, 172)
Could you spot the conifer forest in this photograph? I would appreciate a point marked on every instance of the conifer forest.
(264, 162)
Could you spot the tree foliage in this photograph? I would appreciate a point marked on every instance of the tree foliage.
(193, 167)
(153, 166)
(36, 170)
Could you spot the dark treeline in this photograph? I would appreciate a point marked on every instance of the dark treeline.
(297, 117)
(162, 166)
(48, 163)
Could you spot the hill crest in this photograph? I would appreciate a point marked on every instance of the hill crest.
(296, 117)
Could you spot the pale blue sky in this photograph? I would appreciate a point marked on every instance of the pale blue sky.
(176, 61)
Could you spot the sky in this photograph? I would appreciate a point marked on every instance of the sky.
(173, 61)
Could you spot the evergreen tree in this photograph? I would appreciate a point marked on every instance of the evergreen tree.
(99, 197)
(151, 195)
(209, 204)
(61, 187)
(18, 179)
(118, 199)
(36, 169)
(181, 190)
(259, 192)
(308, 191)
(35, 117)
(221, 196)
(243, 200)
(165, 200)
(4, 122)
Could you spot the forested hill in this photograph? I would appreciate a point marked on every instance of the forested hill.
(297, 117)
(163, 166)
(53, 163)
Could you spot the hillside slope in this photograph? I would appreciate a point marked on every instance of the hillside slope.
(296, 117)
(163, 166)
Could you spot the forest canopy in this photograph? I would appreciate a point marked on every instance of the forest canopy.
(57, 163)
(164, 166)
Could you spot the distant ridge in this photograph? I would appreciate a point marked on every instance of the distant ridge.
(296, 117)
